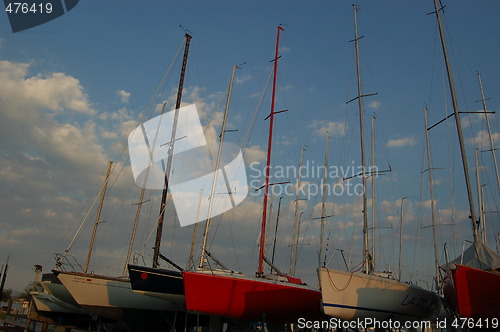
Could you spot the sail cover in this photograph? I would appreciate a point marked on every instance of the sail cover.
(479, 256)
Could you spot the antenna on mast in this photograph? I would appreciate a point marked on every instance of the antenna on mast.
(186, 31)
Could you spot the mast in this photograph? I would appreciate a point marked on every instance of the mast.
(401, 236)
(195, 230)
(492, 145)
(4, 277)
(323, 203)
(163, 204)
(431, 189)
(483, 215)
(103, 193)
(276, 229)
(296, 215)
(458, 125)
(268, 164)
(134, 229)
(268, 222)
(297, 243)
(141, 201)
(373, 190)
(217, 163)
(480, 199)
(367, 258)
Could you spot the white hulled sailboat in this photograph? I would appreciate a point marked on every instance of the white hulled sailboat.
(352, 295)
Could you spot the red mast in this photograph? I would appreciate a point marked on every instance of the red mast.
(268, 165)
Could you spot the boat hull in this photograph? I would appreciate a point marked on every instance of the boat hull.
(111, 297)
(59, 291)
(351, 296)
(159, 283)
(49, 303)
(247, 298)
(473, 293)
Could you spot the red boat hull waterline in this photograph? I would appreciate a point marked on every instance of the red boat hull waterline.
(250, 298)
(474, 293)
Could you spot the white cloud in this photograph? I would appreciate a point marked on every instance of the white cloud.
(286, 140)
(286, 87)
(392, 219)
(284, 49)
(242, 78)
(49, 159)
(427, 204)
(124, 95)
(54, 91)
(24, 231)
(326, 128)
(401, 142)
(389, 206)
(27, 123)
(344, 225)
(474, 118)
(254, 154)
(482, 138)
(374, 104)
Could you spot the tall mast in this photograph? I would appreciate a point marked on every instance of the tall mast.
(268, 165)
(373, 190)
(431, 189)
(141, 201)
(323, 203)
(367, 258)
(480, 200)
(296, 215)
(134, 229)
(492, 144)
(4, 276)
(217, 163)
(103, 193)
(458, 125)
(170, 153)
(401, 236)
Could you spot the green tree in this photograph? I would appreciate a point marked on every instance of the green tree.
(25, 295)
(6, 295)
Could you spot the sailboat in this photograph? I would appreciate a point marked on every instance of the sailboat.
(357, 295)
(110, 297)
(49, 295)
(275, 297)
(471, 285)
(155, 281)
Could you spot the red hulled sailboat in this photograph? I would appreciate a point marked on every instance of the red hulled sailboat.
(472, 283)
(276, 297)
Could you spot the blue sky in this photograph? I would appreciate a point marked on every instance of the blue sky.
(73, 89)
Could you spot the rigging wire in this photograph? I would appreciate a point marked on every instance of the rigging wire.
(246, 138)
